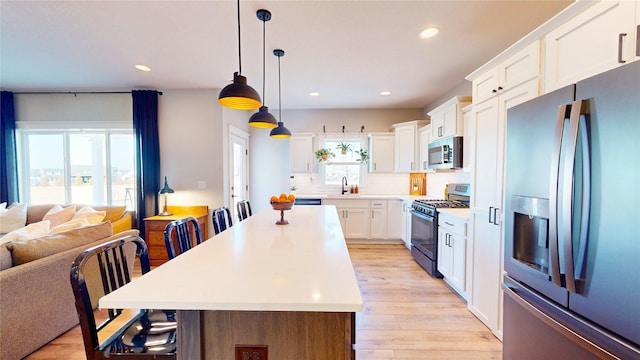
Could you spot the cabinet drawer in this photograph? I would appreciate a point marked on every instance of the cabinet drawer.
(158, 252)
(348, 203)
(155, 238)
(155, 225)
(452, 224)
(378, 204)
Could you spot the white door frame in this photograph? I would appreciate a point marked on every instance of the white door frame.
(240, 137)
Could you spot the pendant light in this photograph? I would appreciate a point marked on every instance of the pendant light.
(263, 119)
(239, 95)
(280, 132)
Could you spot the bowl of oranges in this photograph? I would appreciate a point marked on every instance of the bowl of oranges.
(282, 203)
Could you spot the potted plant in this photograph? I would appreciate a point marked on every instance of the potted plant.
(324, 154)
(364, 156)
(344, 147)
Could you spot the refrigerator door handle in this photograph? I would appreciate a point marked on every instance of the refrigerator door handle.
(562, 114)
(577, 126)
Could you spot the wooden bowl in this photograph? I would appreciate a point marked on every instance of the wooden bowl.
(282, 205)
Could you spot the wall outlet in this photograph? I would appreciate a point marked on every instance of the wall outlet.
(251, 352)
(202, 184)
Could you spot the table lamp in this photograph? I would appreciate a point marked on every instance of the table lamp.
(164, 191)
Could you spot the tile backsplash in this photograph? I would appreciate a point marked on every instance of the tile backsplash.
(386, 184)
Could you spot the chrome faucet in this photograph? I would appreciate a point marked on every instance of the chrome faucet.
(344, 183)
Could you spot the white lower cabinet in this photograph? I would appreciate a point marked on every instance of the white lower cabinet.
(378, 229)
(452, 251)
(395, 216)
(355, 217)
(406, 223)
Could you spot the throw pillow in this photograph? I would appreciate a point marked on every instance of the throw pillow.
(69, 225)
(93, 216)
(24, 252)
(3, 206)
(58, 215)
(29, 232)
(13, 218)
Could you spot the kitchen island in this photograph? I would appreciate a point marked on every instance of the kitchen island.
(289, 287)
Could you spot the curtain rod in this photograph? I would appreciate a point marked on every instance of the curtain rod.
(73, 92)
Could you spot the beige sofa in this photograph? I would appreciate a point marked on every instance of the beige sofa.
(36, 300)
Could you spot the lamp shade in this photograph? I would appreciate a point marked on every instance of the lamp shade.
(280, 132)
(238, 95)
(166, 189)
(263, 119)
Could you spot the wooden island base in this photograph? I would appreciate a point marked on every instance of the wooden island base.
(287, 334)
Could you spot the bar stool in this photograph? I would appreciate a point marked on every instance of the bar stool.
(244, 209)
(185, 231)
(221, 219)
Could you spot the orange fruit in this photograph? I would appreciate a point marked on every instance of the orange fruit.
(291, 197)
(274, 199)
(283, 197)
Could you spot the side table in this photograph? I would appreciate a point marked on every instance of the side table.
(154, 229)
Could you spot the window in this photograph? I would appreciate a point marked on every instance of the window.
(77, 166)
(345, 163)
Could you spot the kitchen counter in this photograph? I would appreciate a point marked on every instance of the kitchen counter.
(256, 265)
(461, 213)
(364, 196)
(257, 275)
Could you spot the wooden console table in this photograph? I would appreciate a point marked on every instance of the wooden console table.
(154, 229)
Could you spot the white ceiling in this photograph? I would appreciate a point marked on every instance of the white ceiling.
(348, 51)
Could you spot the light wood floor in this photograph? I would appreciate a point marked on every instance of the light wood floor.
(407, 315)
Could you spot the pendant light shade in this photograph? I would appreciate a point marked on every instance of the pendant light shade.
(280, 132)
(239, 95)
(263, 119)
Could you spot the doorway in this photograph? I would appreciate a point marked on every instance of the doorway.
(238, 167)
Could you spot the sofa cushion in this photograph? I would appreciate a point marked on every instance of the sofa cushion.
(24, 252)
(36, 212)
(29, 232)
(70, 225)
(13, 218)
(90, 214)
(58, 215)
(113, 212)
(5, 257)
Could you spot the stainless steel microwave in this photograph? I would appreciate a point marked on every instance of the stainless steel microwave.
(446, 153)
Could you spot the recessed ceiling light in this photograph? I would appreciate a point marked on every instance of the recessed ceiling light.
(430, 32)
(315, 93)
(385, 93)
(144, 68)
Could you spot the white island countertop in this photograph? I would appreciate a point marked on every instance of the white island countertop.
(256, 265)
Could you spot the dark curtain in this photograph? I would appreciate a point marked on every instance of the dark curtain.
(8, 156)
(145, 123)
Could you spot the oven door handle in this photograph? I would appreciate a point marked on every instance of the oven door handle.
(422, 216)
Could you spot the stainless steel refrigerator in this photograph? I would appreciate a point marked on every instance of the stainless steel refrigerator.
(572, 229)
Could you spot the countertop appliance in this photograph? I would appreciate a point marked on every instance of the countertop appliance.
(424, 225)
(446, 153)
(572, 231)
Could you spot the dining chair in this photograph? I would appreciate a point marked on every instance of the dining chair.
(244, 209)
(185, 232)
(122, 333)
(221, 219)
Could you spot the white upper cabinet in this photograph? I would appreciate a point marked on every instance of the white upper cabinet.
(406, 146)
(301, 153)
(447, 119)
(424, 133)
(517, 69)
(598, 39)
(381, 152)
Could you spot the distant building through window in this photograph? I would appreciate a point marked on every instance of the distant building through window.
(77, 166)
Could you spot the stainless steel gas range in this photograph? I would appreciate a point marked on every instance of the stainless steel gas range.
(424, 225)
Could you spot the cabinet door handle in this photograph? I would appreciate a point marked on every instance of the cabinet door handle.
(620, 41)
(372, 214)
(495, 216)
(307, 166)
(448, 223)
(375, 166)
(412, 165)
(424, 165)
(490, 211)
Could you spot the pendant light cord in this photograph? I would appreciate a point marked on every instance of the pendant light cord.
(263, 58)
(239, 43)
(279, 92)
